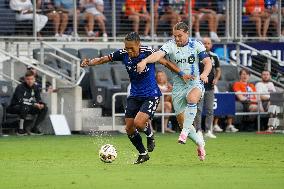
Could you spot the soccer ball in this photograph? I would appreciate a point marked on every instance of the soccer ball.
(107, 153)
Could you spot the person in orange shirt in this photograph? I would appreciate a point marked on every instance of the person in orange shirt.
(244, 86)
(256, 10)
(249, 101)
(136, 10)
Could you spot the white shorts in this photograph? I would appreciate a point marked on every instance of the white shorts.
(180, 94)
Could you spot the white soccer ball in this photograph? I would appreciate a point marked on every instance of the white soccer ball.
(107, 153)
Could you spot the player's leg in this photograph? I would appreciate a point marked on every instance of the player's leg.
(189, 114)
(141, 123)
(197, 119)
(132, 107)
(134, 135)
(146, 113)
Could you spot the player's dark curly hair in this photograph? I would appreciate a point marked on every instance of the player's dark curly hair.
(132, 36)
(181, 26)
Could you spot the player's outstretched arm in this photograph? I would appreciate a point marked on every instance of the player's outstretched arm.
(156, 56)
(207, 68)
(95, 61)
(171, 66)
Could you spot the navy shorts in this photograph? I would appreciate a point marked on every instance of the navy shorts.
(146, 105)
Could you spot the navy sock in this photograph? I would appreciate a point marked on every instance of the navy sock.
(136, 140)
(148, 132)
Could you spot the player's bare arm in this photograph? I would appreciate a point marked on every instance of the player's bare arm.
(95, 61)
(156, 56)
(171, 66)
(207, 68)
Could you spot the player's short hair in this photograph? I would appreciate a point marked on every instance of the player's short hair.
(29, 73)
(132, 36)
(244, 70)
(181, 26)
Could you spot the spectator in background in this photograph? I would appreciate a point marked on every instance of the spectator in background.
(265, 86)
(38, 80)
(165, 87)
(221, 12)
(272, 7)
(26, 100)
(67, 6)
(208, 98)
(207, 12)
(24, 11)
(58, 18)
(172, 11)
(96, 8)
(257, 13)
(136, 10)
(249, 101)
(159, 10)
(194, 18)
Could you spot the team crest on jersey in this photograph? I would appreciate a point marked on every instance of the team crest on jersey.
(191, 59)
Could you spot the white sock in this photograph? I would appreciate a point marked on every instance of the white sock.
(21, 125)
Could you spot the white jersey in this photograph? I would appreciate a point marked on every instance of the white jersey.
(187, 57)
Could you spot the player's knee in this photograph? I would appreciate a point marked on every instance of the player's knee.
(129, 130)
(192, 99)
(139, 124)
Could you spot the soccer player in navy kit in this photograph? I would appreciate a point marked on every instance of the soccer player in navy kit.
(144, 94)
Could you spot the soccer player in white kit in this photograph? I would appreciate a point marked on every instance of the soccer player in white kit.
(186, 53)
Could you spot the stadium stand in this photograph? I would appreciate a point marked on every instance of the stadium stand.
(102, 86)
(101, 82)
(85, 84)
(8, 120)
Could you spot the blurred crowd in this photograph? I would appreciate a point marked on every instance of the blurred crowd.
(262, 13)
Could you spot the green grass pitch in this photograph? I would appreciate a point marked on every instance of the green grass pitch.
(243, 160)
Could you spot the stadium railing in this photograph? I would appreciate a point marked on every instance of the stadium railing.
(266, 62)
(258, 113)
(234, 22)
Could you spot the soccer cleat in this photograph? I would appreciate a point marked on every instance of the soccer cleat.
(150, 143)
(209, 134)
(199, 133)
(21, 132)
(142, 158)
(34, 133)
(182, 138)
(231, 128)
(201, 153)
(217, 128)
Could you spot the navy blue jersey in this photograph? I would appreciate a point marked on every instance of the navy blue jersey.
(144, 84)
